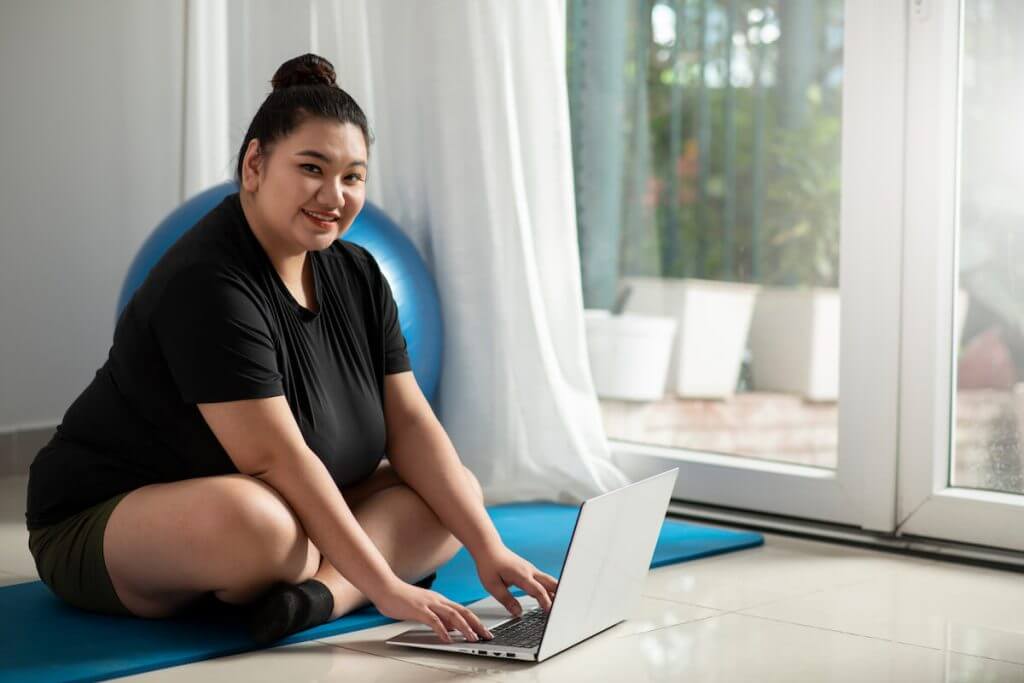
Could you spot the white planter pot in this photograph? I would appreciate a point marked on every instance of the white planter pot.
(629, 354)
(794, 342)
(713, 319)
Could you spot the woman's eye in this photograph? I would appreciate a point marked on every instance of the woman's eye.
(356, 176)
(311, 167)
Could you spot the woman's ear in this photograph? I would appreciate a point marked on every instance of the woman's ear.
(252, 166)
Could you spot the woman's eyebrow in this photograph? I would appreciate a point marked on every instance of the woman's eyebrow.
(323, 157)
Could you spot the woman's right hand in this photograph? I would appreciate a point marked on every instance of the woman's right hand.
(403, 601)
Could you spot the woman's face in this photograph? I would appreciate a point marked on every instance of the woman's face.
(310, 187)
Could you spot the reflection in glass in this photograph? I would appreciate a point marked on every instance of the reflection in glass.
(990, 359)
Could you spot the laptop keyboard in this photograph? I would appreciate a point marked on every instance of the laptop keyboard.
(525, 631)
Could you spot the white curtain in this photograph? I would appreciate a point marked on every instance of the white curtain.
(468, 103)
(204, 155)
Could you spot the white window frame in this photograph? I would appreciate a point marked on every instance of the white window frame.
(861, 492)
(927, 505)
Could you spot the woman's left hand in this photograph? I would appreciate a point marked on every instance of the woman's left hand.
(498, 569)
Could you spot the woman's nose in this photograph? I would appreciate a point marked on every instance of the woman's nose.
(332, 194)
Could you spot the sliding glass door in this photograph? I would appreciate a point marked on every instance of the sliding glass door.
(961, 465)
(803, 254)
(739, 169)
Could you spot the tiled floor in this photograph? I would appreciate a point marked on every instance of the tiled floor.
(791, 610)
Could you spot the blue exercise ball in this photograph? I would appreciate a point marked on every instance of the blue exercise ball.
(419, 309)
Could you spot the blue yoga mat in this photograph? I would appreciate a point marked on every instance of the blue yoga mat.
(42, 639)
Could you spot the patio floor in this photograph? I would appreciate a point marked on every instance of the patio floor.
(786, 428)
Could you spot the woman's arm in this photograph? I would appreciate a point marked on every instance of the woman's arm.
(263, 440)
(423, 456)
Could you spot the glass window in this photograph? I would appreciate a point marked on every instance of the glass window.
(706, 143)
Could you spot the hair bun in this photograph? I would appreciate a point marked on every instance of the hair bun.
(308, 69)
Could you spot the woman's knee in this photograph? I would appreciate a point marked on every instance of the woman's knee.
(258, 515)
(252, 515)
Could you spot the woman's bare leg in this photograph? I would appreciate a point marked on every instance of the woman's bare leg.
(155, 531)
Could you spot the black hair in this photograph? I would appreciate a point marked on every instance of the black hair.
(304, 87)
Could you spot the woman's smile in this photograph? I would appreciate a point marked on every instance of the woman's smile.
(324, 221)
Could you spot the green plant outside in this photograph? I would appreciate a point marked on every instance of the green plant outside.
(783, 195)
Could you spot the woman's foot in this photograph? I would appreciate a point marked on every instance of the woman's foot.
(289, 608)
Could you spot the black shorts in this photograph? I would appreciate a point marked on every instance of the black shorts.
(69, 558)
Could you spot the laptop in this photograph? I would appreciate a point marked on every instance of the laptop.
(601, 579)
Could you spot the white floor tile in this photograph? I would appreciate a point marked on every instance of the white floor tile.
(734, 648)
(14, 555)
(312, 661)
(11, 579)
(781, 569)
(653, 613)
(729, 647)
(951, 607)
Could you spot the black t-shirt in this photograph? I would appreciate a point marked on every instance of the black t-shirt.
(214, 322)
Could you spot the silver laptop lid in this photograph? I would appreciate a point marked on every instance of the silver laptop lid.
(607, 561)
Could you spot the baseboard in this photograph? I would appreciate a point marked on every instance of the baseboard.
(18, 449)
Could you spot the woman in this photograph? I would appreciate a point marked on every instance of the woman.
(231, 445)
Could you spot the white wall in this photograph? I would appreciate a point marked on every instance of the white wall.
(90, 139)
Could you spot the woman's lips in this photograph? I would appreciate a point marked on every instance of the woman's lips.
(323, 225)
